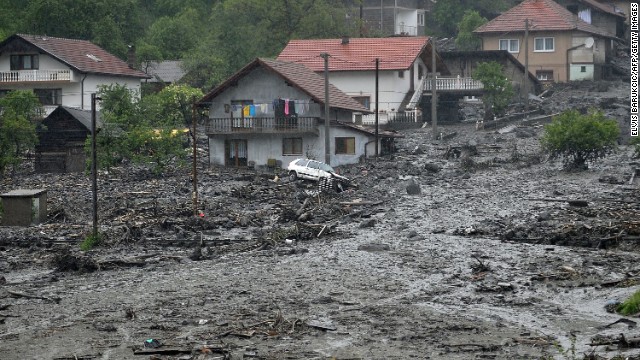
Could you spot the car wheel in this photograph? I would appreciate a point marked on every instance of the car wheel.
(293, 176)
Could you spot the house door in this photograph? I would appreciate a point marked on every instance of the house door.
(235, 152)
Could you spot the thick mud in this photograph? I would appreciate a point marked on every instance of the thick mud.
(485, 259)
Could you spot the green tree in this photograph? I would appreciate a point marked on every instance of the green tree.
(112, 24)
(579, 139)
(148, 131)
(19, 111)
(448, 14)
(466, 39)
(497, 92)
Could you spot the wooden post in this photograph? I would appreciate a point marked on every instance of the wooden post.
(94, 166)
(526, 67)
(195, 153)
(377, 103)
(434, 96)
(327, 120)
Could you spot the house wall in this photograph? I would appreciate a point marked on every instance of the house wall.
(262, 87)
(261, 148)
(391, 88)
(384, 17)
(555, 61)
(74, 93)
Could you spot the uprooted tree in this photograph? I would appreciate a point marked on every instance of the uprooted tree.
(579, 139)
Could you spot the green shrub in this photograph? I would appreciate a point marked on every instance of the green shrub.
(579, 139)
(631, 306)
(90, 242)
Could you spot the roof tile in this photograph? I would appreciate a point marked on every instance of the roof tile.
(395, 53)
(81, 55)
(543, 15)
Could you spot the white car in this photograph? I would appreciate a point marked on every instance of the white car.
(316, 171)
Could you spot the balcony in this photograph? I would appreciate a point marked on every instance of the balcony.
(458, 84)
(262, 125)
(19, 76)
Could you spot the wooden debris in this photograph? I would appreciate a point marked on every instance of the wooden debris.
(27, 296)
(621, 341)
(578, 203)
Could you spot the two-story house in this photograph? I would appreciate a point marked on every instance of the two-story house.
(402, 62)
(560, 45)
(61, 71)
(273, 112)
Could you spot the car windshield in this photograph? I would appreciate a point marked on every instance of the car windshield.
(326, 168)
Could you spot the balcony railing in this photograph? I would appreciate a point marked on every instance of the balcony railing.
(453, 84)
(34, 76)
(262, 125)
(406, 30)
(392, 116)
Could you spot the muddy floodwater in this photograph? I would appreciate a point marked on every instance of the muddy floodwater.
(489, 253)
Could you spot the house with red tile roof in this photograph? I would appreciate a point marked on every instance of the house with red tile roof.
(602, 14)
(403, 63)
(560, 46)
(61, 71)
(273, 111)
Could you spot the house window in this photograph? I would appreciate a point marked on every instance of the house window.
(364, 100)
(544, 75)
(49, 96)
(544, 44)
(401, 74)
(420, 19)
(346, 145)
(292, 146)
(24, 62)
(511, 45)
(583, 69)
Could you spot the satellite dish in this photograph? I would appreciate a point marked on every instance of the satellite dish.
(588, 42)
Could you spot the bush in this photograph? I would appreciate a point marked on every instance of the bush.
(579, 139)
(631, 306)
(90, 242)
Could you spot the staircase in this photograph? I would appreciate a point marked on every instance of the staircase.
(415, 98)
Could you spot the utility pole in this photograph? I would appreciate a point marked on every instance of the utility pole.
(195, 153)
(327, 121)
(526, 67)
(377, 103)
(434, 96)
(94, 167)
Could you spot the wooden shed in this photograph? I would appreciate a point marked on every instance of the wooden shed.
(62, 139)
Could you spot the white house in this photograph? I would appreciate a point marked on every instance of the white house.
(61, 71)
(403, 62)
(393, 17)
(273, 111)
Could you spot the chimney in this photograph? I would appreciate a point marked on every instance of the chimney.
(131, 56)
(345, 40)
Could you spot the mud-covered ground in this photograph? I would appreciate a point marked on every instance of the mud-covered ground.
(485, 259)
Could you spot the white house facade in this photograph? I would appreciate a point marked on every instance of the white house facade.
(61, 71)
(272, 112)
(403, 62)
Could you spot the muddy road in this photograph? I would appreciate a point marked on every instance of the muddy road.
(430, 257)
